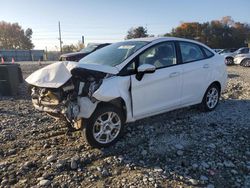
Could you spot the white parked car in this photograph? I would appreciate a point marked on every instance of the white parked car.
(127, 81)
(229, 57)
(242, 59)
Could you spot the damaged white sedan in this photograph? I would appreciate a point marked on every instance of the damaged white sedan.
(127, 81)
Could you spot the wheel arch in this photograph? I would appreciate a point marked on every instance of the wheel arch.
(117, 102)
(217, 83)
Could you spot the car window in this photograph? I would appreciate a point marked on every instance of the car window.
(190, 52)
(161, 55)
(244, 51)
(208, 52)
(113, 54)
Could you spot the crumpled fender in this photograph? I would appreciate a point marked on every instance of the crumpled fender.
(115, 87)
(87, 107)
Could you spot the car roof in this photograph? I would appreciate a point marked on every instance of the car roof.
(152, 39)
(162, 39)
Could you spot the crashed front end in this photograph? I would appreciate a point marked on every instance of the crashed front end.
(65, 91)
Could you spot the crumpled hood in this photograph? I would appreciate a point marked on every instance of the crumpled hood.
(57, 74)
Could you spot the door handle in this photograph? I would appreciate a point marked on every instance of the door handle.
(174, 74)
(206, 66)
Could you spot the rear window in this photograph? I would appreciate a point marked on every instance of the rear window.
(208, 52)
(191, 52)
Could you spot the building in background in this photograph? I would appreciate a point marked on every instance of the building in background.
(22, 55)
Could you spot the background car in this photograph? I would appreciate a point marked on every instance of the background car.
(229, 57)
(242, 59)
(76, 56)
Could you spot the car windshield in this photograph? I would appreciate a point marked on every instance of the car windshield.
(89, 48)
(113, 54)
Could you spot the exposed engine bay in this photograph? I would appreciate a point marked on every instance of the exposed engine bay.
(62, 102)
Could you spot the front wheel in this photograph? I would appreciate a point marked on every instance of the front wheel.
(104, 127)
(211, 98)
(229, 61)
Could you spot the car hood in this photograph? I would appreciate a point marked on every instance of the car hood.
(57, 74)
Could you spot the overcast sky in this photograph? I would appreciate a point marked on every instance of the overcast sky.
(109, 20)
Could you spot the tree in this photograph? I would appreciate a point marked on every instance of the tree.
(138, 32)
(68, 48)
(73, 47)
(12, 36)
(224, 33)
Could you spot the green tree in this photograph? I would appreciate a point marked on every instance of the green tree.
(137, 32)
(12, 36)
(224, 33)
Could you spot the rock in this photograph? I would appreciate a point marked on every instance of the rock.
(234, 172)
(51, 158)
(99, 169)
(158, 169)
(12, 151)
(195, 166)
(73, 164)
(150, 179)
(212, 146)
(193, 181)
(179, 146)
(204, 165)
(203, 178)
(210, 186)
(44, 182)
(228, 164)
(28, 165)
(180, 152)
(105, 172)
(144, 152)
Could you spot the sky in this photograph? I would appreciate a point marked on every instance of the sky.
(109, 20)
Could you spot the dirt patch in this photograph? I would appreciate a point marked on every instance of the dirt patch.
(181, 148)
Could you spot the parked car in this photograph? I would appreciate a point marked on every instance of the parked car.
(242, 59)
(76, 56)
(218, 50)
(227, 51)
(128, 81)
(229, 57)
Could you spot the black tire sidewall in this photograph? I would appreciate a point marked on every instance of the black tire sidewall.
(89, 123)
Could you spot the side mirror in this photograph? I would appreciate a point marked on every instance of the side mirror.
(143, 69)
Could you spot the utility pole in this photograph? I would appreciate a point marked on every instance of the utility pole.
(60, 37)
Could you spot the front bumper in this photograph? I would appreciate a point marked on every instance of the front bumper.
(238, 60)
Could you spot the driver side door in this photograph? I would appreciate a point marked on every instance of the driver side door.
(159, 91)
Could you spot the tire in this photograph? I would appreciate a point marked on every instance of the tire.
(112, 129)
(245, 63)
(229, 61)
(212, 94)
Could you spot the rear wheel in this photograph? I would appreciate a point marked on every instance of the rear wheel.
(211, 98)
(104, 127)
(245, 63)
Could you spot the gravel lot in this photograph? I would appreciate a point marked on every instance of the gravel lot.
(182, 148)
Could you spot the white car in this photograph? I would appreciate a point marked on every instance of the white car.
(127, 81)
(229, 57)
(242, 59)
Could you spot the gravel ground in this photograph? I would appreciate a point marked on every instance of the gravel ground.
(182, 148)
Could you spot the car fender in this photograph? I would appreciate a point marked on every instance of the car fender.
(113, 88)
(87, 107)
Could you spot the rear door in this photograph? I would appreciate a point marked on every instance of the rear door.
(196, 72)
